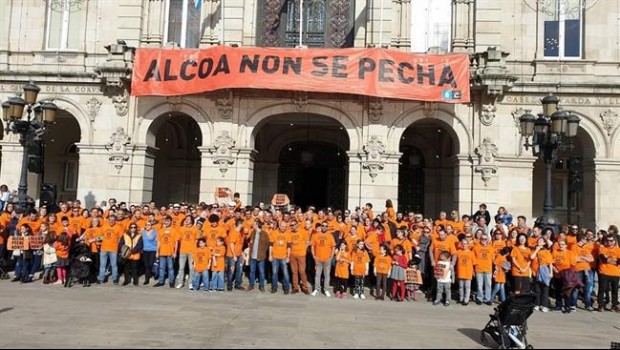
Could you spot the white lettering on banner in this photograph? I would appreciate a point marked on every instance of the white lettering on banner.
(55, 89)
(566, 100)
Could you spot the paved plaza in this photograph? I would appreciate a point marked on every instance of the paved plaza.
(37, 316)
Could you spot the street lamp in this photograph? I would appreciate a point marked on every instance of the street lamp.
(551, 131)
(30, 129)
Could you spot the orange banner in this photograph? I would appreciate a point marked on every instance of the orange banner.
(372, 72)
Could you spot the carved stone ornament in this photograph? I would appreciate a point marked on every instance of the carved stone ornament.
(117, 68)
(491, 73)
(487, 114)
(121, 103)
(429, 109)
(374, 157)
(610, 120)
(224, 104)
(93, 106)
(222, 152)
(339, 22)
(487, 152)
(516, 114)
(175, 102)
(118, 148)
(375, 111)
(300, 100)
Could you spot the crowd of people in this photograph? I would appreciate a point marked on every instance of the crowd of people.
(213, 248)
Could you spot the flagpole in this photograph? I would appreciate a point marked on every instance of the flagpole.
(301, 23)
(222, 21)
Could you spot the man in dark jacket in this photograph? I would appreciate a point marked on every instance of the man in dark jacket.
(259, 249)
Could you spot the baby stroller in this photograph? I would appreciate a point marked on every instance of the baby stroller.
(508, 326)
(79, 269)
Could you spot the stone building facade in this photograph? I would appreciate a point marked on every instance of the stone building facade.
(327, 149)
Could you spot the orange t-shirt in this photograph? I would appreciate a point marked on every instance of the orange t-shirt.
(34, 225)
(202, 259)
(280, 242)
(571, 240)
(299, 243)
(609, 269)
(91, 234)
(586, 251)
(323, 244)
(360, 260)
(212, 233)
(563, 260)
(62, 250)
(219, 252)
(391, 214)
(383, 264)
(188, 237)
(498, 245)
(405, 243)
(234, 237)
(465, 261)
(459, 227)
(499, 276)
(167, 239)
(484, 258)
(342, 265)
(437, 247)
(111, 237)
(77, 224)
(543, 257)
(521, 256)
(351, 242)
(177, 220)
(372, 239)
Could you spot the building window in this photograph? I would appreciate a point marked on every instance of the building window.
(431, 25)
(183, 22)
(66, 23)
(563, 27)
(324, 23)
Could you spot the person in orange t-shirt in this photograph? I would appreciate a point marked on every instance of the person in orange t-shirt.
(382, 268)
(202, 264)
(465, 261)
(501, 265)
(62, 246)
(563, 261)
(187, 237)
(584, 251)
(608, 271)
(541, 259)
(521, 265)
(359, 268)
(166, 251)
(300, 240)
(280, 242)
(234, 255)
(218, 266)
(322, 248)
(485, 254)
(112, 234)
(343, 261)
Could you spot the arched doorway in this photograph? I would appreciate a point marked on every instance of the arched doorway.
(177, 160)
(304, 156)
(60, 156)
(426, 168)
(573, 187)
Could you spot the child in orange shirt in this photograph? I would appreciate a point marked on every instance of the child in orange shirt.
(501, 265)
(62, 253)
(202, 264)
(465, 262)
(342, 271)
(217, 269)
(383, 266)
(359, 268)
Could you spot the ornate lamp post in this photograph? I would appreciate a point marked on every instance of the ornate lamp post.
(553, 130)
(30, 129)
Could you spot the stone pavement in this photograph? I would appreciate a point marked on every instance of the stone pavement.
(38, 316)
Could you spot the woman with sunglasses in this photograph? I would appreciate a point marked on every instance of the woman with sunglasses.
(131, 251)
(608, 271)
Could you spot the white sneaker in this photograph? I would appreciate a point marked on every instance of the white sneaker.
(536, 308)
(544, 309)
(191, 287)
(315, 293)
(328, 294)
(362, 296)
(179, 286)
(355, 296)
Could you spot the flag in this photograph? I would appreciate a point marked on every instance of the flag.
(197, 4)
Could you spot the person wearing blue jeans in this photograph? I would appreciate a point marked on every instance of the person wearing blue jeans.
(217, 281)
(276, 264)
(254, 264)
(499, 288)
(103, 261)
(483, 280)
(165, 263)
(201, 277)
(279, 254)
(234, 271)
(584, 252)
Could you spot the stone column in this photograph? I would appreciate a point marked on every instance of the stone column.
(370, 184)
(10, 171)
(142, 171)
(463, 26)
(93, 182)
(266, 182)
(464, 184)
(234, 171)
(401, 26)
(601, 181)
(515, 185)
(210, 16)
(155, 23)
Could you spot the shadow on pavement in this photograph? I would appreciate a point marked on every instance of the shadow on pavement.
(6, 309)
(472, 333)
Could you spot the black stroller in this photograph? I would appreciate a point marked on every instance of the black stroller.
(508, 326)
(79, 269)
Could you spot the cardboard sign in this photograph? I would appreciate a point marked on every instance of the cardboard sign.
(280, 199)
(372, 72)
(17, 243)
(223, 195)
(414, 276)
(36, 242)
